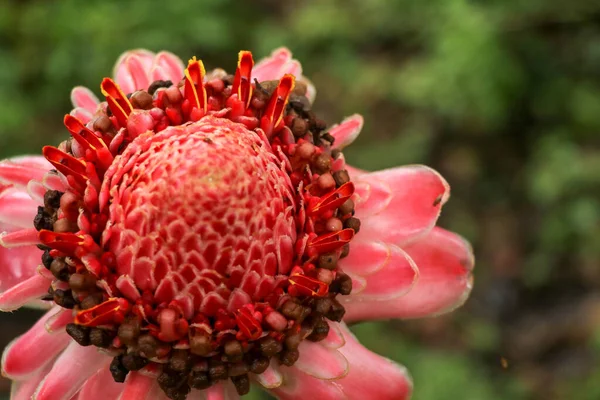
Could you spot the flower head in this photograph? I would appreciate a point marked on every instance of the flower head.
(201, 230)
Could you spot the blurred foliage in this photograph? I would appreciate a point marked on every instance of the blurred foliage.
(501, 96)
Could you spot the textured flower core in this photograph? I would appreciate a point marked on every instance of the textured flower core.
(195, 227)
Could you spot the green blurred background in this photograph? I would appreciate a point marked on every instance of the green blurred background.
(501, 96)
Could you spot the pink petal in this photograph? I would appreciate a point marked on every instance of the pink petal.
(133, 76)
(30, 161)
(271, 378)
(371, 196)
(23, 237)
(17, 208)
(33, 350)
(70, 371)
(36, 191)
(394, 278)
(370, 377)
(320, 362)
(279, 63)
(19, 171)
(158, 394)
(17, 265)
(101, 386)
(299, 386)
(55, 181)
(132, 70)
(222, 391)
(59, 320)
(137, 387)
(370, 373)
(82, 97)
(417, 196)
(171, 66)
(293, 68)
(445, 261)
(24, 292)
(359, 283)
(355, 172)
(335, 338)
(366, 257)
(159, 74)
(270, 68)
(24, 390)
(82, 114)
(346, 131)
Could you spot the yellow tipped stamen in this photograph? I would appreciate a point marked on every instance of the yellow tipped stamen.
(82, 134)
(241, 83)
(117, 100)
(194, 84)
(285, 87)
(276, 108)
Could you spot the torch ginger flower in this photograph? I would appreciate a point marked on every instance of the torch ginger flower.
(199, 231)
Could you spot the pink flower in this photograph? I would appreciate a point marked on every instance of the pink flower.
(204, 231)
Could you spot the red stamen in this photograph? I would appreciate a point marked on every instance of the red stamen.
(307, 286)
(333, 199)
(241, 82)
(117, 101)
(248, 325)
(65, 242)
(194, 90)
(274, 113)
(89, 141)
(110, 312)
(329, 242)
(66, 164)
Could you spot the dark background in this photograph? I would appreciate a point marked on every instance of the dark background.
(501, 96)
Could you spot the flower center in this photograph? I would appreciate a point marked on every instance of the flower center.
(200, 207)
(196, 228)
